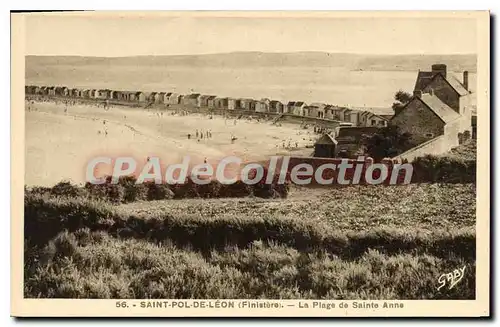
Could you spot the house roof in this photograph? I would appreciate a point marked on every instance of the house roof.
(319, 105)
(441, 109)
(193, 95)
(457, 85)
(275, 102)
(326, 139)
(424, 78)
(299, 103)
(291, 103)
(211, 97)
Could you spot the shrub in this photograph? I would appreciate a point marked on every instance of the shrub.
(158, 191)
(443, 169)
(65, 188)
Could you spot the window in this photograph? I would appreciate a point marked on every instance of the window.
(429, 135)
(374, 122)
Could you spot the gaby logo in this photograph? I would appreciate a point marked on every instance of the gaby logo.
(451, 278)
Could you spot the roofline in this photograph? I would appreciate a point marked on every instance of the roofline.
(435, 75)
(422, 101)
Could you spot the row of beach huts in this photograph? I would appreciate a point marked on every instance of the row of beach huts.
(197, 100)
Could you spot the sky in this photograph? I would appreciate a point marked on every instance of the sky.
(114, 36)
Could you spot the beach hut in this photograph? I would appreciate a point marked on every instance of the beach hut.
(159, 97)
(221, 103)
(211, 101)
(203, 100)
(140, 96)
(276, 106)
(231, 104)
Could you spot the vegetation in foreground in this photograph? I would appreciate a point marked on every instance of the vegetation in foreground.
(80, 247)
(95, 265)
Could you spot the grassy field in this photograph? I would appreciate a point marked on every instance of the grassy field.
(350, 243)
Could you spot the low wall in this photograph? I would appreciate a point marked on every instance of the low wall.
(436, 146)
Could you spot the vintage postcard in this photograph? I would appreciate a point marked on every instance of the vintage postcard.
(239, 164)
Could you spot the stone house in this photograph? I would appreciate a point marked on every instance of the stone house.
(439, 106)
(426, 117)
(449, 90)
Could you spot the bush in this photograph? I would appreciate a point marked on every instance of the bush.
(443, 169)
(158, 191)
(65, 188)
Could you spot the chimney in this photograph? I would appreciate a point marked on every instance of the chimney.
(466, 80)
(417, 93)
(431, 92)
(439, 68)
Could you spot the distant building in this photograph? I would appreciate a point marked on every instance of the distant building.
(159, 97)
(232, 104)
(366, 118)
(221, 103)
(203, 100)
(61, 91)
(151, 97)
(317, 110)
(325, 147)
(350, 140)
(296, 107)
(191, 100)
(173, 98)
(140, 96)
(276, 106)
(211, 102)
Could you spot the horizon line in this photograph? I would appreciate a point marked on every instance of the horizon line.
(256, 52)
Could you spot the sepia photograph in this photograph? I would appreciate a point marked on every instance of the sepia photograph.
(303, 163)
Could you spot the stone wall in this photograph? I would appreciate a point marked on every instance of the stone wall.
(436, 146)
(418, 120)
